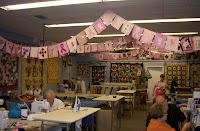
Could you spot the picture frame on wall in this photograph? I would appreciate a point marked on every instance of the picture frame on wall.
(69, 60)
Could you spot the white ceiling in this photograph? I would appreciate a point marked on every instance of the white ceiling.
(24, 21)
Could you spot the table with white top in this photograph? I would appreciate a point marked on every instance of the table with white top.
(66, 116)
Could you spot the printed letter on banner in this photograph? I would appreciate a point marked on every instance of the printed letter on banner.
(101, 47)
(80, 48)
(172, 43)
(87, 48)
(122, 40)
(9, 46)
(115, 43)
(108, 45)
(94, 47)
(72, 44)
(53, 51)
(147, 36)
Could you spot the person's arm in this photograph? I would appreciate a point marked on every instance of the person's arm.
(154, 90)
(186, 126)
(183, 123)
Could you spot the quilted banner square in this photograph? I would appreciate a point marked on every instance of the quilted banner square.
(186, 44)
(99, 25)
(120, 56)
(147, 36)
(53, 51)
(34, 52)
(9, 46)
(72, 44)
(100, 57)
(130, 45)
(63, 48)
(80, 48)
(196, 43)
(108, 17)
(43, 52)
(134, 52)
(151, 54)
(128, 38)
(16, 50)
(94, 48)
(117, 22)
(25, 52)
(172, 43)
(137, 32)
(101, 47)
(2, 42)
(108, 45)
(87, 48)
(81, 38)
(114, 56)
(123, 47)
(115, 43)
(156, 55)
(159, 40)
(127, 27)
(47, 43)
(122, 40)
(128, 54)
(90, 31)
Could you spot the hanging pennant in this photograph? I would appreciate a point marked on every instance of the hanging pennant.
(120, 56)
(25, 52)
(123, 47)
(115, 43)
(63, 48)
(108, 17)
(134, 52)
(130, 45)
(137, 32)
(114, 56)
(186, 44)
(108, 45)
(99, 25)
(90, 31)
(151, 54)
(147, 36)
(9, 46)
(172, 43)
(167, 56)
(2, 42)
(16, 50)
(43, 52)
(87, 48)
(159, 40)
(196, 43)
(161, 57)
(128, 54)
(72, 45)
(34, 52)
(94, 48)
(53, 51)
(81, 38)
(80, 48)
(122, 40)
(106, 56)
(100, 57)
(117, 22)
(127, 27)
(156, 55)
(101, 47)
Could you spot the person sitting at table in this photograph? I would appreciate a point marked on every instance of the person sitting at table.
(55, 104)
(36, 91)
(158, 112)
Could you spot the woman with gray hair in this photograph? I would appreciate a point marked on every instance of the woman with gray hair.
(158, 112)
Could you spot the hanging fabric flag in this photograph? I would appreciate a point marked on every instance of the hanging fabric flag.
(196, 43)
(2, 42)
(80, 48)
(122, 40)
(159, 40)
(25, 52)
(120, 56)
(186, 44)
(53, 51)
(34, 52)
(63, 48)
(108, 17)
(156, 55)
(172, 43)
(99, 25)
(81, 38)
(100, 56)
(43, 52)
(117, 22)
(147, 36)
(130, 45)
(16, 50)
(161, 57)
(128, 54)
(127, 27)
(106, 56)
(72, 44)
(101, 47)
(128, 38)
(108, 45)
(151, 54)
(9, 46)
(167, 56)
(115, 43)
(94, 47)
(114, 56)
(90, 31)
(137, 32)
(87, 48)
(123, 47)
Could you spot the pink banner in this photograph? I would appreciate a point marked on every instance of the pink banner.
(16, 50)
(81, 38)
(109, 46)
(87, 48)
(108, 17)
(172, 43)
(114, 56)
(72, 45)
(196, 43)
(63, 48)
(115, 43)
(94, 48)
(186, 44)
(159, 40)
(43, 52)
(34, 52)
(120, 56)
(137, 32)
(9, 46)
(101, 47)
(127, 27)
(117, 22)
(147, 36)
(99, 25)
(53, 51)
(122, 40)
(25, 52)
(80, 48)
(90, 31)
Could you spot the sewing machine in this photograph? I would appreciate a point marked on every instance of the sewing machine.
(4, 121)
(37, 107)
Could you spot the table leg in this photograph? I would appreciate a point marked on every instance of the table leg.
(93, 122)
(42, 126)
(112, 106)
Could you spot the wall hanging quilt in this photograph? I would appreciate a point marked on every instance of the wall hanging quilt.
(54, 70)
(83, 69)
(98, 74)
(195, 75)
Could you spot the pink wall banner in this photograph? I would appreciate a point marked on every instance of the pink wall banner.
(109, 46)
(94, 48)
(114, 56)
(99, 25)
(63, 48)
(120, 56)
(122, 40)
(101, 47)
(100, 56)
(117, 22)
(90, 32)
(81, 38)
(127, 27)
(25, 52)
(186, 44)
(53, 51)
(87, 48)
(128, 38)
(2, 42)
(172, 43)
(151, 54)
(115, 43)
(108, 17)
(34, 52)
(72, 45)
(137, 32)
(123, 47)
(156, 55)
(16, 50)
(196, 43)
(43, 52)
(130, 45)
(80, 48)
(147, 36)
(128, 54)
(159, 40)
(9, 46)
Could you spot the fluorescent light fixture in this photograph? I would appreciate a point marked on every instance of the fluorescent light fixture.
(69, 25)
(182, 33)
(51, 3)
(110, 35)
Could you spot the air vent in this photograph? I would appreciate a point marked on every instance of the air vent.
(41, 17)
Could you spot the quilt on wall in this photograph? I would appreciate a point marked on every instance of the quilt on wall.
(195, 75)
(83, 69)
(181, 70)
(123, 73)
(54, 70)
(8, 71)
(34, 71)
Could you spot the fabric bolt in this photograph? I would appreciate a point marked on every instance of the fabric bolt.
(94, 47)
(43, 54)
(108, 17)
(81, 38)
(54, 70)
(25, 52)
(90, 32)
(127, 27)
(87, 48)
(137, 32)
(101, 47)
(121, 40)
(99, 25)
(72, 45)
(186, 44)
(196, 43)
(159, 40)
(34, 52)
(53, 51)
(109, 46)
(63, 48)
(117, 22)
(16, 50)
(80, 48)
(9, 46)
(2, 42)
(147, 36)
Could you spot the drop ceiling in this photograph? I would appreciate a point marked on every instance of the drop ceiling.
(28, 22)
